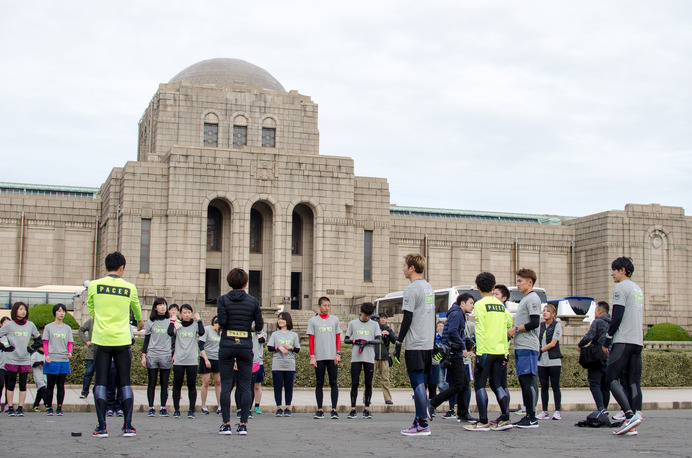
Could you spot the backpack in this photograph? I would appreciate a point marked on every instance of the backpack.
(596, 419)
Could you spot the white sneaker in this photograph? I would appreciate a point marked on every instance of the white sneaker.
(619, 416)
(542, 416)
(628, 425)
(631, 432)
(557, 416)
(521, 412)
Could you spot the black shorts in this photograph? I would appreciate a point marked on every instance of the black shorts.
(418, 360)
(214, 369)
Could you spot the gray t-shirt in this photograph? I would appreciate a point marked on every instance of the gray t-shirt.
(629, 294)
(544, 359)
(470, 332)
(368, 330)
(257, 347)
(39, 376)
(527, 340)
(186, 349)
(57, 338)
(159, 340)
(419, 298)
(211, 341)
(3, 355)
(19, 337)
(325, 331)
(281, 362)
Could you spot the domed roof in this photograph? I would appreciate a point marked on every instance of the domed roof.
(222, 71)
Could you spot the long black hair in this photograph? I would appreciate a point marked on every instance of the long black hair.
(159, 300)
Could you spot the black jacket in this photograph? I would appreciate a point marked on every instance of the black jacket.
(597, 331)
(382, 350)
(236, 311)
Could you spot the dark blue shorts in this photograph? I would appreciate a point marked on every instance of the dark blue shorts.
(526, 362)
(56, 368)
(259, 378)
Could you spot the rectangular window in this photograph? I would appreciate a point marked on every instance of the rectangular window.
(144, 247)
(211, 135)
(239, 136)
(212, 288)
(367, 256)
(269, 137)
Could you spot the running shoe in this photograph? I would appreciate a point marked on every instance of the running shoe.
(36, 409)
(467, 418)
(450, 415)
(334, 414)
(257, 410)
(631, 432)
(287, 412)
(319, 415)
(416, 430)
(526, 423)
(100, 431)
(366, 413)
(191, 414)
(249, 415)
(176, 414)
(218, 411)
(58, 411)
(20, 411)
(619, 416)
(353, 414)
(628, 424)
(521, 411)
(152, 412)
(49, 412)
(119, 413)
(225, 430)
(5, 408)
(109, 413)
(639, 414)
(83, 395)
(163, 412)
(205, 411)
(10, 412)
(496, 421)
(431, 411)
(542, 416)
(557, 416)
(242, 430)
(279, 413)
(129, 430)
(502, 425)
(478, 427)
(389, 403)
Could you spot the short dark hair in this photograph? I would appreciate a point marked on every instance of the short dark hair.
(485, 282)
(503, 290)
(527, 274)
(237, 278)
(186, 307)
(623, 263)
(287, 318)
(157, 301)
(16, 306)
(322, 299)
(463, 298)
(173, 306)
(383, 315)
(57, 307)
(114, 260)
(367, 307)
(604, 306)
(3, 319)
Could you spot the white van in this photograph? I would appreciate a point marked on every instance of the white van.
(515, 296)
(444, 299)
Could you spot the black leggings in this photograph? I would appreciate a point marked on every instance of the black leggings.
(369, 372)
(121, 356)
(164, 375)
(550, 374)
(332, 370)
(53, 380)
(189, 372)
(283, 380)
(12, 381)
(625, 362)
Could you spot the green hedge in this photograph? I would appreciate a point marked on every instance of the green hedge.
(667, 332)
(42, 314)
(662, 368)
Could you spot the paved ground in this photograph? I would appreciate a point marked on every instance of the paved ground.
(663, 433)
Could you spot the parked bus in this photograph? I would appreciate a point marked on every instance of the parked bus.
(444, 299)
(47, 294)
(515, 296)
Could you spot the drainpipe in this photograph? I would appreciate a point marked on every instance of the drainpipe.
(425, 253)
(96, 241)
(21, 249)
(516, 254)
(571, 248)
(117, 228)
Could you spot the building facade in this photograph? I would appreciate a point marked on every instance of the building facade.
(229, 173)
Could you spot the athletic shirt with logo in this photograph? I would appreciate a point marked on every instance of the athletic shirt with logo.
(630, 331)
(57, 338)
(3, 355)
(281, 362)
(419, 298)
(211, 343)
(492, 322)
(528, 306)
(19, 336)
(544, 360)
(367, 331)
(325, 331)
(159, 340)
(186, 349)
(110, 301)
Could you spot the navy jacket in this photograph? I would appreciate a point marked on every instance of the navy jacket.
(453, 331)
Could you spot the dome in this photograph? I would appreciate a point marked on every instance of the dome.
(223, 71)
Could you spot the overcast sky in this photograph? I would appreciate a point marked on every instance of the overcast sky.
(546, 107)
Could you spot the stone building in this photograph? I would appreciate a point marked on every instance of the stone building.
(229, 173)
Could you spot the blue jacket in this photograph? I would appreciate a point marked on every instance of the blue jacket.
(453, 331)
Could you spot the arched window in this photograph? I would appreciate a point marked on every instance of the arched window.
(211, 130)
(297, 234)
(255, 231)
(214, 228)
